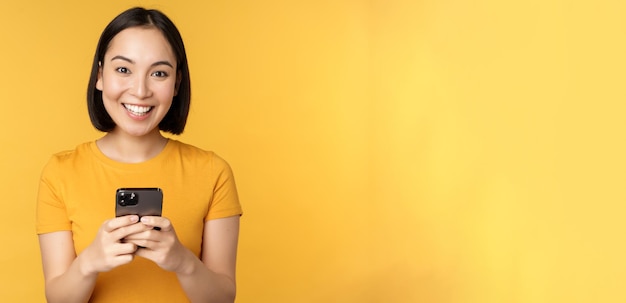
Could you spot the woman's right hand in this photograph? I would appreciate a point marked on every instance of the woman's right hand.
(108, 250)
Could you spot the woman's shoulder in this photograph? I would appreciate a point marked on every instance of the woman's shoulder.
(61, 160)
(81, 149)
(197, 154)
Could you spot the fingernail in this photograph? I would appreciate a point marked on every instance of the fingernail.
(144, 220)
(134, 218)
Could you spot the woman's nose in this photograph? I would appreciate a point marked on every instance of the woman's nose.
(140, 87)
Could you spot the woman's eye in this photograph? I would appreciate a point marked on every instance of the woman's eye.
(122, 70)
(160, 74)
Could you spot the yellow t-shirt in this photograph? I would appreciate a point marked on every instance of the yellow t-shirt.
(77, 193)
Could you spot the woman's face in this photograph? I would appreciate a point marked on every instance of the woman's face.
(138, 80)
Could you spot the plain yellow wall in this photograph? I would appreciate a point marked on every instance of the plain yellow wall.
(385, 150)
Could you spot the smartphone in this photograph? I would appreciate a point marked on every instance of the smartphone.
(138, 201)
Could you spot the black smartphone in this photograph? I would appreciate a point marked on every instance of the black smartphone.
(138, 201)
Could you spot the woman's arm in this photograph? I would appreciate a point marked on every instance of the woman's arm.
(210, 279)
(213, 278)
(64, 278)
(70, 278)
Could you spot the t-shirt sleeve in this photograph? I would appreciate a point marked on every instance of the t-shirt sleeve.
(225, 202)
(51, 213)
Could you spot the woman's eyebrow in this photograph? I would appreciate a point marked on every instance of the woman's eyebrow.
(118, 57)
(163, 62)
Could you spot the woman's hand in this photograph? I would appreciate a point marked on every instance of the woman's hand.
(109, 249)
(161, 245)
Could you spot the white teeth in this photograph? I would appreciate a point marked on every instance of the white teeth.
(138, 110)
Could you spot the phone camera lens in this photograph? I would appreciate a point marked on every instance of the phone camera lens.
(128, 198)
(133, 199)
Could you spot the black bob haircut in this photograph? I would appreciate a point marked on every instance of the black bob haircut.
(176, 118)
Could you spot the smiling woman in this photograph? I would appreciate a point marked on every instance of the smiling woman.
(138, 81)
(398, 151)
(139, 87)
(168, 62)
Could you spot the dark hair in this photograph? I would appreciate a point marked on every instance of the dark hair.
(176, 118)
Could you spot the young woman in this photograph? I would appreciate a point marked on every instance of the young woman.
(139, 86)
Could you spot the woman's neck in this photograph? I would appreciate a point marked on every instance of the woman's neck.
(131, 149)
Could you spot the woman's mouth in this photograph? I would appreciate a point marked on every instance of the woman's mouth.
(138, 110)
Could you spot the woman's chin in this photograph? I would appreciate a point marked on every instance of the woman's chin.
(137, 132)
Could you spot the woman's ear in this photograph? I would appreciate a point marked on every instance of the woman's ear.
(99, 81)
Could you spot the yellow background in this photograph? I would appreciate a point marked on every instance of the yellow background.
(385, 150)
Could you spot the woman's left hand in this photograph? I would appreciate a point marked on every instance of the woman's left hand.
(161, 245)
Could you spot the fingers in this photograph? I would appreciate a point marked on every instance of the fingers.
(157, 242)
(124, 249)
(159, 233)
(151, 238)
(122, 253)
(106, 252)
(146, 235)
(160, 223)
(143, 244)
(117, 229)
(146, 253)
(118, 222)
